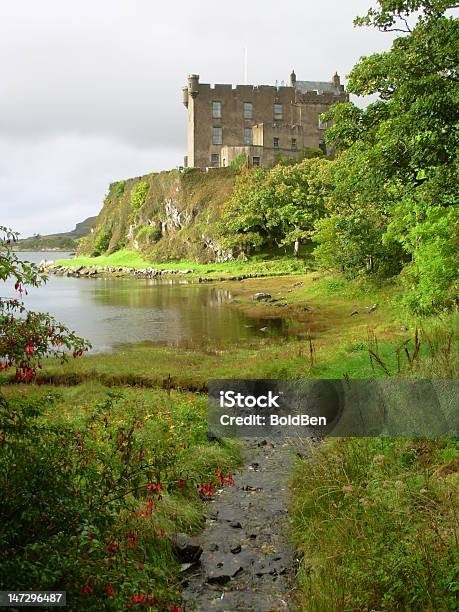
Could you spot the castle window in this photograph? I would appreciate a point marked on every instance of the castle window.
(217, 137)
(216, 110)
(248, 110)
(278, 111)
(248, 136)
(294, 145)
(276, 143)
(215, 160)
(255, 161)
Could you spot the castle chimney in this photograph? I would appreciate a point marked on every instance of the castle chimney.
(336, 80)
(293, 79)
(193, 85)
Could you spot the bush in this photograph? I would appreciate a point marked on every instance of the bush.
(101, 242)
(82, 503)
(148, 234)
(118, 188)
(139, 195)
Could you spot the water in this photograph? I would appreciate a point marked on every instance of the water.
(110, 312)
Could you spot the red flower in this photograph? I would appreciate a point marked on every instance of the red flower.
(219, 476)
(109, 590)
(149, 508)
(39, 381)
(229, 480)
(206, 490)
(88, 589)
(181, 484)
(154, 486)
(139, 599)
(29, 349)
(112, 547)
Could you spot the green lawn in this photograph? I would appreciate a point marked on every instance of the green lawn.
(260, 264)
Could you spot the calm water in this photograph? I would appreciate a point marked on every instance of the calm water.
(110, 312)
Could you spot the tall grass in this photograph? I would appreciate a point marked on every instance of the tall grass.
(376, 524)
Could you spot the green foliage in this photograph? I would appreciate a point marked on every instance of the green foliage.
(27, 337)
(239, 162)
(380, 535)
(148, 234)
(279, 205)
(82, 502)
(101, 242)
(118, 188)
(394, 199)
(139, 195)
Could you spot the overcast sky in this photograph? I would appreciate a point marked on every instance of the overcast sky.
(90, 90)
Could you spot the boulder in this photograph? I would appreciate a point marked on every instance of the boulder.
(185, 549)
(259, 297)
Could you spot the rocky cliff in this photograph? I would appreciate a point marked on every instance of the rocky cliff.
(167, 216)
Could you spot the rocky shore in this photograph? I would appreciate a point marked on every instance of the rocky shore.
(50, 267)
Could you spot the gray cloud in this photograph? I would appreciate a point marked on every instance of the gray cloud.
(90, 91)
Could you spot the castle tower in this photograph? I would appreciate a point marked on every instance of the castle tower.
(336, 80)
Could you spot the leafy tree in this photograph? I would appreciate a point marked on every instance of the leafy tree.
(27, 337)
(297, 199)
(276, 206)
(401, 152)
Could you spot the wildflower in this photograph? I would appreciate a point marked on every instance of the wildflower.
(109, 590)
(29, 349)
(219, 477)
(181, 484)
(155, 486)
(229, 480)
(88, 589)
(135, 599)
(112, 547)
(205, 490)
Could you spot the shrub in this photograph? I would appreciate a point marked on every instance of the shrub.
(101, 242)
(148, 234)
(84, 505)
(118, 188)
(239, 162)
(139, 195)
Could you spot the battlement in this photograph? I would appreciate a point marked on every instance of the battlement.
(224, 117)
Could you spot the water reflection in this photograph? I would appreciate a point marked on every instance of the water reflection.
(110, 312)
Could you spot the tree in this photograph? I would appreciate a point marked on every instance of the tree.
(404, 147)
(27, 337)
(297, 199)
(276, 206)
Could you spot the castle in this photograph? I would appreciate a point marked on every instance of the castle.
(262, 122)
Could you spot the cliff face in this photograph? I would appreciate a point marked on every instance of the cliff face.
(167, 216)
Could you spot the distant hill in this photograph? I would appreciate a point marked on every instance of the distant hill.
(64, 241)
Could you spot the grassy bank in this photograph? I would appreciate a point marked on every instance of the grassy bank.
(266, 264)
(376, 525)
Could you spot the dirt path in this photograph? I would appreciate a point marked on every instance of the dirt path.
(247, 563)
